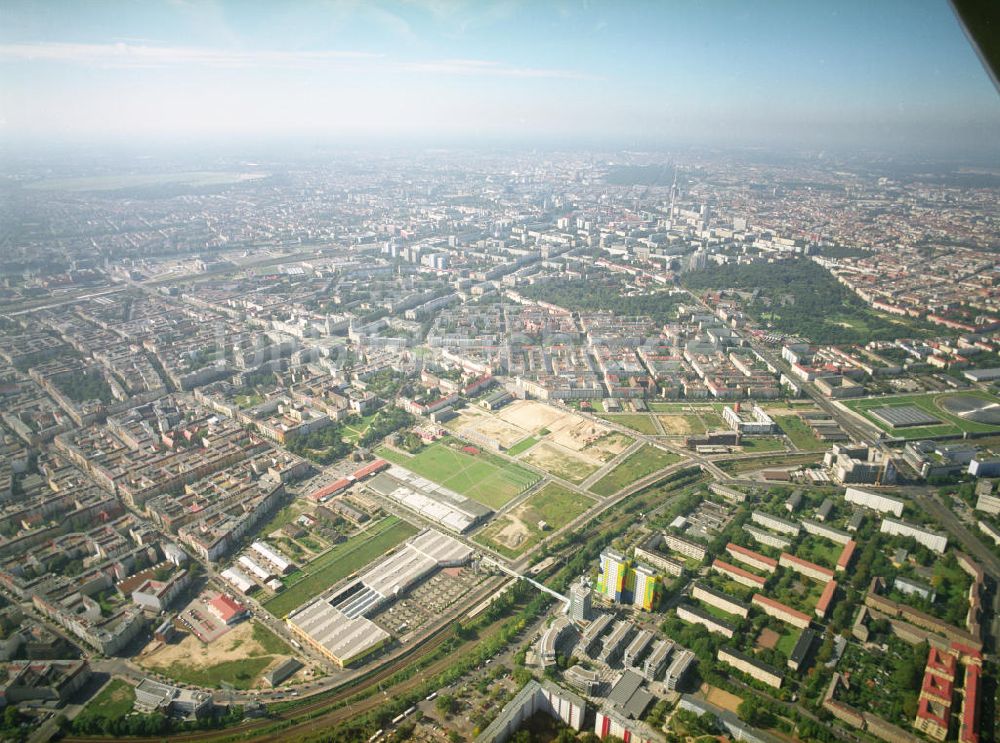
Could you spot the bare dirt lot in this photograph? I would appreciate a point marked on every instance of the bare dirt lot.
(720, 697)
(490, 425)
(562, 462)
(513, 533)
(768, 639)
(608, 446)
(675, 425)
(234, 645)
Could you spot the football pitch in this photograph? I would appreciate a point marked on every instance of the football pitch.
(928, 402)
(483, 477)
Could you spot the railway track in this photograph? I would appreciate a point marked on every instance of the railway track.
(335, 716)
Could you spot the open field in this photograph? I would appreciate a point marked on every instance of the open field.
(516, 531)
(763, 463)
(238, 657)
(647, 460)
(799, 433)
(195, 179)
(114, 701)
(762, 444)
(640, 422)
(607, 447)
(338, 563)
(483, 477)
(677, 408)
(682, 425)
(929, 402)
(562, 462)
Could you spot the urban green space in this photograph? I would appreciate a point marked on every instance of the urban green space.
(647, 460)
(522, 446)
(483, 477)
(240, 674)
(513, 533)
(112, 702)
(801, 436)
(762, 444)
(801, 298)
(734, 466)
(930, 403)
(636, 421)
(338, 562)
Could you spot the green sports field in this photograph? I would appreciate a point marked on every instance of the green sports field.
(483, 477)
(339, 562)
(950, 424)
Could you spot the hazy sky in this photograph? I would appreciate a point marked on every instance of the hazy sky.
(861, 74)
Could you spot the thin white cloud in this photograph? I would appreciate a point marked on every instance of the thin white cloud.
(138, 55)
(488, 68)
(123, 54)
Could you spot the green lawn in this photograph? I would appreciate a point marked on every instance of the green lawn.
(269, 641)
(762, 445)
(240, 673)
(114, 701)
(713, 421)
(283, 516)
(647, 460)
(819, 550)
(357, 429)
(799, 433)
(483, 477)
(637, 422)
(339, 562)
(553, 503)
(787, 642)
(718, 613)
(522, 446)
(951, 424)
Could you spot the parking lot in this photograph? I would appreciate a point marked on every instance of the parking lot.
(200, 621)
(427, 602)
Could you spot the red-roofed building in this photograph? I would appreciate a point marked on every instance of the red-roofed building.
(228, 610)
(967, 654)
(941, 663)
(932, 719)
(968, 731)
(780, 611)
(804, 567)
(846, 555)
(937, 688)
(751, 558)
(825, 599)
(741, 576)
(328, 491)
(370, 469)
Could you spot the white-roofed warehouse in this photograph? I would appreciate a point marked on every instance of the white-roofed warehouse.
(337, 625)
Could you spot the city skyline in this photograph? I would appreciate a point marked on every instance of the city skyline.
(895, 76)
